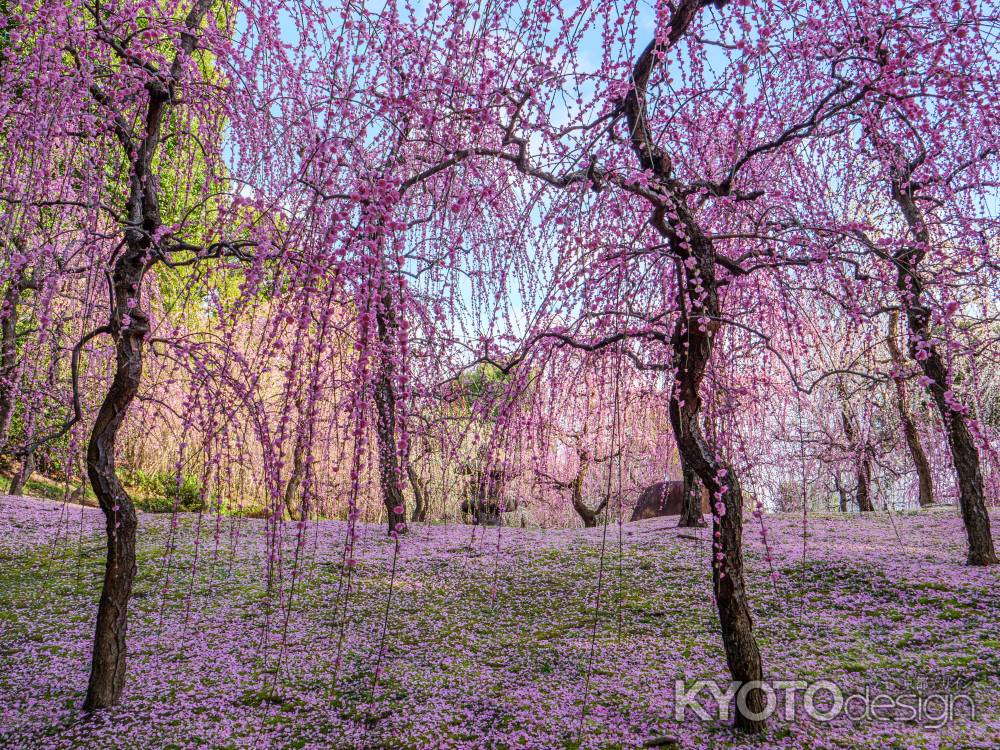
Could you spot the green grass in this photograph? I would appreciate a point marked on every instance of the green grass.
(479, 629)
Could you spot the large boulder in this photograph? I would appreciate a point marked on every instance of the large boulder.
(664, 499)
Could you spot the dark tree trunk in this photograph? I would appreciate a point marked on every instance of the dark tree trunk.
(107, 674)
(292, 501)
(841, 492)
(8, 356)
(420, 498)
(691, 515)
(129, 327)
(964, 453)
(920, 462)
(388, 458)
(863, 473)
(698, 292)
(692, 347)
(390, 475)
(970, 484)
(23, 474)
(864, 492)
(485, 503)
(587, 514)
(590, 516)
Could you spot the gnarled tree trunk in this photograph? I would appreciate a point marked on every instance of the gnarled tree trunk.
(107, 674)
(587, 514)
(841, 492)
(698, 292)
(292, 501)
(692, 347)
(129, 326)
(420, 495)
(863, 472)
(864, 486)
(23, 473)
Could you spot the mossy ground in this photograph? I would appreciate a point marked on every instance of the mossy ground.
(485, 643)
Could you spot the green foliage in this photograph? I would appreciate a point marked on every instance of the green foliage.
(4, 30)
(158, 491)
(49, 456)
(485, 383)
(485, 380)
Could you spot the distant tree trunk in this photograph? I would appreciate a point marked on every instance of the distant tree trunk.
(390, 475)
(864, 491)
(841, 492)
(691, 515)
(863, 472)
(920, 462)
(10, 310)
(23, 474)
(420, 498)
(8, 356)
(587, 514)
(388, 459)
(107, 674)
(485, 503)
(292, 501)
(26, 466)
(964, 454)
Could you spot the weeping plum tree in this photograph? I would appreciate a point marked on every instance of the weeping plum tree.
(670, 179)
(904, 190)
(965, 455)
(692, 206)
(124, 90)
(930, 128)
(575, 484)
(590, 425)
(397, 201)
(145, 241)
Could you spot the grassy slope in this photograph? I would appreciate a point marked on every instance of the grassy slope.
(483, 648)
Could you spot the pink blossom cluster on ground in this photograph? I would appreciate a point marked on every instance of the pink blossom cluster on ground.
(490, 640)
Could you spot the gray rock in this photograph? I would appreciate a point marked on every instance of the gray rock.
(664, 499)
